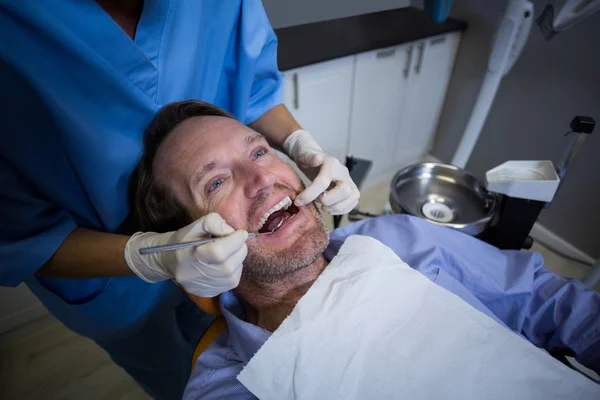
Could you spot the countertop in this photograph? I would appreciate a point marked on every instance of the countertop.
(322, 41)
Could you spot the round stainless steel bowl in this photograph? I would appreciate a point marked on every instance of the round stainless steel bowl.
(445, 195)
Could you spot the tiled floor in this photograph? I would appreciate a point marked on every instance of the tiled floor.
(47, 361)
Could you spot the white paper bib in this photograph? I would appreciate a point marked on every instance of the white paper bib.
(371, 327)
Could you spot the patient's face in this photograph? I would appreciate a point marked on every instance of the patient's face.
(216, 164)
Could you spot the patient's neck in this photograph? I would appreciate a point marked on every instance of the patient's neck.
(268, 304)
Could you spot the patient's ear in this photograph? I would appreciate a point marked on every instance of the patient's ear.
(210, 305)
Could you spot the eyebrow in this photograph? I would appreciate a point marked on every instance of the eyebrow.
(205, 170)
(250, 139)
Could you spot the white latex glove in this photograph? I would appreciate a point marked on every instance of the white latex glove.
(206, 270)
(306, 152)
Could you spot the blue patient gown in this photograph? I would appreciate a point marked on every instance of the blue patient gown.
(76, 95)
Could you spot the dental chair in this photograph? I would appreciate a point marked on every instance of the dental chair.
(209, 305)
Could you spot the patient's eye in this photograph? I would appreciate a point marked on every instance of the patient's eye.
(259, 153)
(216, 184)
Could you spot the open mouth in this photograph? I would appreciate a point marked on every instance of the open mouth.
(271, 220)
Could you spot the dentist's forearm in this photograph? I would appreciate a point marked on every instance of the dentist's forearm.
(276, 125)
(88, 254)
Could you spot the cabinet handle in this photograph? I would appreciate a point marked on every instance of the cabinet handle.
(296, 100)
(409, 52)
(386, 53)
(439, 40)
(420, 60)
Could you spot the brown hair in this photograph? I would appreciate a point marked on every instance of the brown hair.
(153, 207)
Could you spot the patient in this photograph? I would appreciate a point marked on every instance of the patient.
(199, 160)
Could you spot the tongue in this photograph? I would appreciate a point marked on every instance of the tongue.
(273, 221)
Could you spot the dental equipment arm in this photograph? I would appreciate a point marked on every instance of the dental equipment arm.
(507, 44)
(509, 40)
(555, 19)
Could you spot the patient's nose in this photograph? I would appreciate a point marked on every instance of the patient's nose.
(257, 179)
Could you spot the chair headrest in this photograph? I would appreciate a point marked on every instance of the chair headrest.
(210, 305)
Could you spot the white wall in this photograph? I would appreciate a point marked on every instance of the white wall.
(284, 13)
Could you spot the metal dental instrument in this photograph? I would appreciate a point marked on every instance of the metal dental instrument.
(199, 242)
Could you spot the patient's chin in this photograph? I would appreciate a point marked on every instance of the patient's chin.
(265, 263)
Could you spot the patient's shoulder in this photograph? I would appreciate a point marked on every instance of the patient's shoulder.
(378, 225)
(421, 244)
(393, 230)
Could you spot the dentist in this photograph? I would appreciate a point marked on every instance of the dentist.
(80, 81)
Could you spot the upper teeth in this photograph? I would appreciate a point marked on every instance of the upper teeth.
(283, 204)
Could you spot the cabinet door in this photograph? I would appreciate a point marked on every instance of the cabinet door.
(428, 81)
(319, 96)
(379, 86)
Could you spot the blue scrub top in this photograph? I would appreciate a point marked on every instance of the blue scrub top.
(77, 94)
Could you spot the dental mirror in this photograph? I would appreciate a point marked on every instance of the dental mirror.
(200, 242)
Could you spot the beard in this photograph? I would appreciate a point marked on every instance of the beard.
(267, 265)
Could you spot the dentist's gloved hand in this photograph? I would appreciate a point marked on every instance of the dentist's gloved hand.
(205, 271)
(323, 170)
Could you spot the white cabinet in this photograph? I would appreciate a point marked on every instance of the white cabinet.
(379, 86)
(398, 97)
(319, 97)
(382, 105)
(430, 72)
